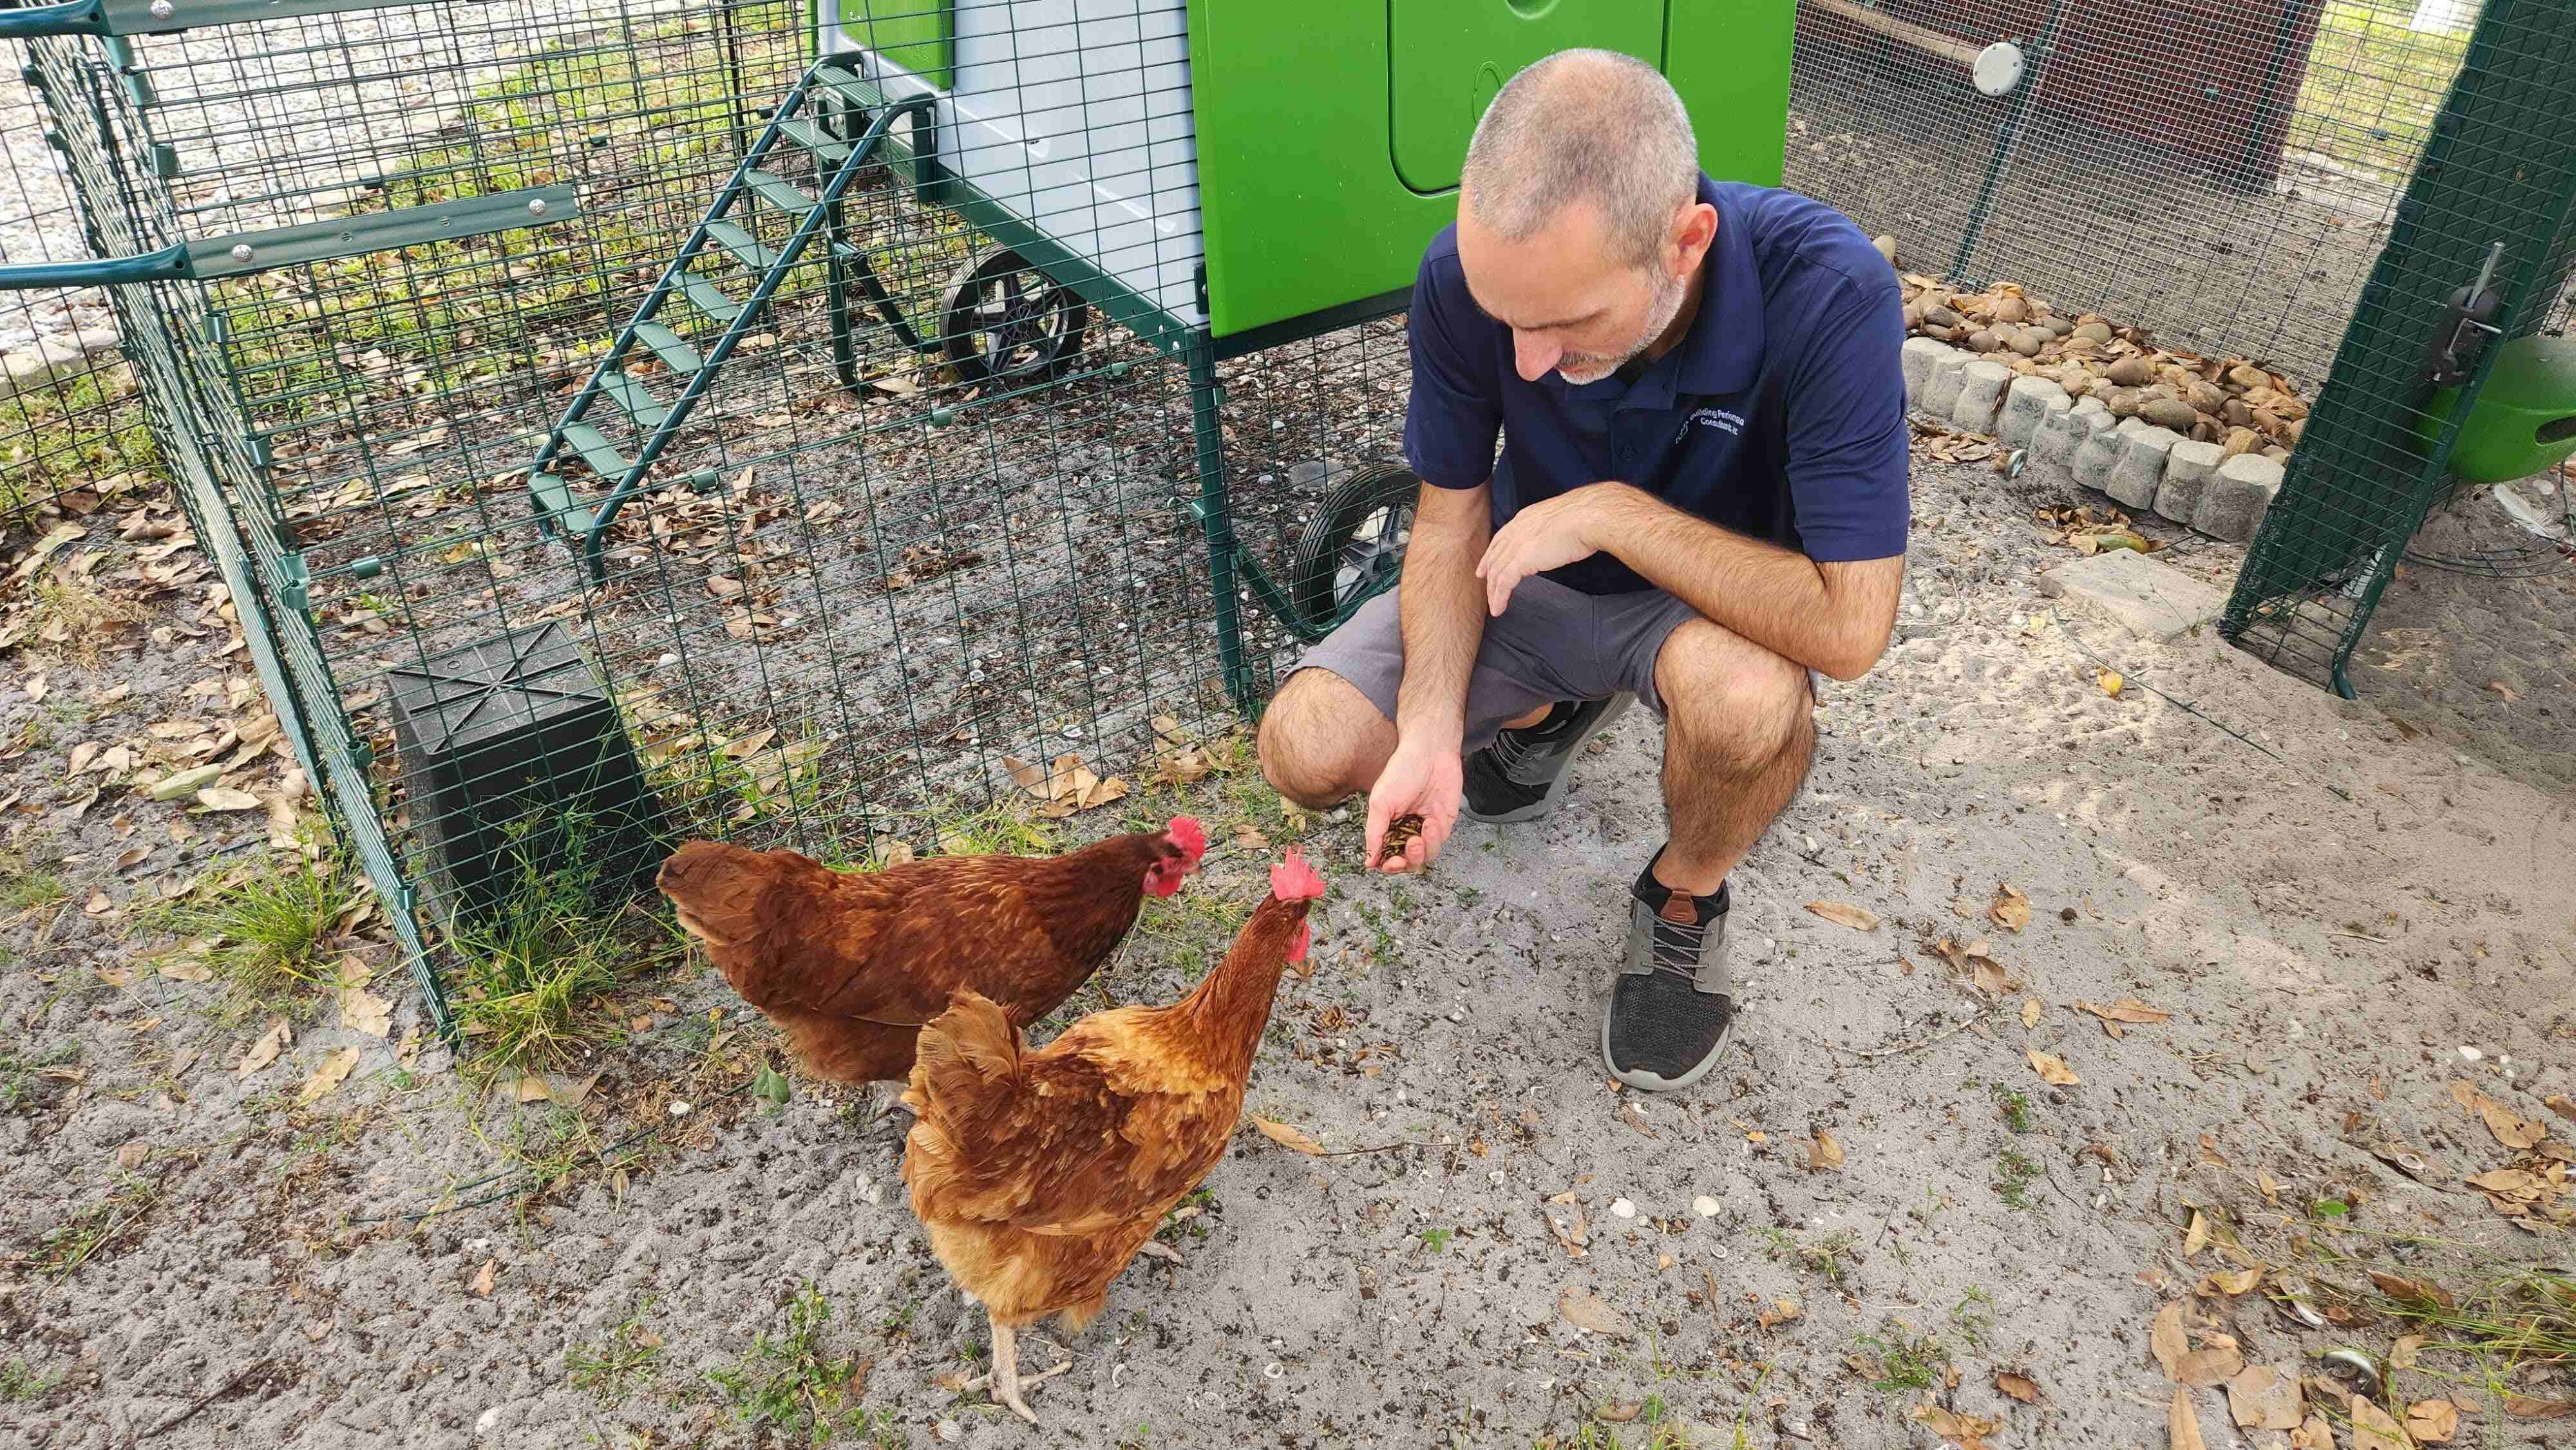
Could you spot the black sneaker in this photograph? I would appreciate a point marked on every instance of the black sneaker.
(1520, 775)
(1670, 1011)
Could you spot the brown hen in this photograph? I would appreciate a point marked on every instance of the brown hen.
(1040, 1174)
(850, 964)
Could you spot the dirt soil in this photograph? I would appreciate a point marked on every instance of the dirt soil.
(2341, 917)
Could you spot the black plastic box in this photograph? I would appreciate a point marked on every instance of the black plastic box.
(514, 762)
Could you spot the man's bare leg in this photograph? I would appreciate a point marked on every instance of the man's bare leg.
(1322, 742)
(1740, 733)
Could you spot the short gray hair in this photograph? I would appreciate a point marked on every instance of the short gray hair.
(1584, 125)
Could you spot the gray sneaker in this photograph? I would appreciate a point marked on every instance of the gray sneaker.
(1520, 775)
(1672, 1009)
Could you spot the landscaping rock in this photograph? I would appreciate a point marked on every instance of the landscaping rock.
(2170, 413)
(32, 364)
(1981, 395)
(2028, 403)
(2141, 467)
(1886, 248)
(2062, 435)
(1916, 357)
(2151, 599)
(2101, 453)
(2096, 333)
(1941, 393)
(2233, 505)
(2188, 470)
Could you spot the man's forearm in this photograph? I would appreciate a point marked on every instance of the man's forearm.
(1775, 597)
(1442, 607)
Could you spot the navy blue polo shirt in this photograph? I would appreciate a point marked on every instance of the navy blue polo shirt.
(1780, 415)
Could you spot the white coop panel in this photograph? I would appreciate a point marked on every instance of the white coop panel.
(1075, 116)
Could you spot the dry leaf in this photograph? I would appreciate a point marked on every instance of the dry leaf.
(265, 1050)
(2404, 1353)
(2111, 682)
(2196, 1237)
(2237, 1281)
(2432, 1421)
(99, 904)
(2182, 1427)
(2524, 1407)
(1823, 1153)
(2030, 1012)
(2562, 1105)
(530, 1089)
(226, 798)
(2053, 1069)
(483, 1277)
(187, 971)
(2211, 1364)
(1845, 915)
(1780, 1312)
(2510, 1128)
(1287, 1137)
(2011, 910)
(2127, 1009)
(2265, 1397)
(364, 1011)
(2418, 1290)
(1581, 1310)
(2374, 1429)
(2166, 1338)
(2316, 1434)
(327, 1078)
(1968, 1432)
(2020, 1387)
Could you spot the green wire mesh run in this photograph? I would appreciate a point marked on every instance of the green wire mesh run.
(878, 565)
(2492, 199)
(2221, 175)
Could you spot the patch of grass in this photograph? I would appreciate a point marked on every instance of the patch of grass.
(69, 1245)
(1437, 1239)
(27, 887)
(2014, 1175)
(607, 1369)
(1825, 1256)
(2016, 1110)
(64, 598)
(1974, 1317)
(2513, 1316)
(793, 1385)
(1906, 1361)
(265, 929)
(543, 953)
(19, 1383)
(19, 1070)
(74, 432)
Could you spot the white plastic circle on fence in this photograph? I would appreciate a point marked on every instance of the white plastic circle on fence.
(1999, 68)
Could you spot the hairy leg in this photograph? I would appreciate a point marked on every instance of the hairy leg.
(1322, 742)
(1740, 731)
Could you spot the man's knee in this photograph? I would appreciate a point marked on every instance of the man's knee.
(1313, 737)
(1733, 696)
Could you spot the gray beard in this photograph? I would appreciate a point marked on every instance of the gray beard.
(1666, 305)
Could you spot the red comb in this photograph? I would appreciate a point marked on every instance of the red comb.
(1294, 880)
(1189, 835)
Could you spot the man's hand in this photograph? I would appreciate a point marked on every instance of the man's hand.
(1423, 778)
(1546, 536)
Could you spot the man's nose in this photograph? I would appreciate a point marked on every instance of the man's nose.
(1534, 356)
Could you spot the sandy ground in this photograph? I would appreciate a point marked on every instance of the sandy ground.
(2330, 908)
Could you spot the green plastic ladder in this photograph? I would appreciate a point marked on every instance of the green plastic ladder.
(583, 524)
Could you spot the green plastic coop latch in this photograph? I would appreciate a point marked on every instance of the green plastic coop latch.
(2524, 421)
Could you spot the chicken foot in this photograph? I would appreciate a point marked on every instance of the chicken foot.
(1004, 1377)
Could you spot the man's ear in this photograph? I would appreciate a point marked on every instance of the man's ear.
(1693, 232)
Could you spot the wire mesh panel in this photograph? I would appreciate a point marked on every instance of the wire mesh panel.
(2478, 258)
(617, 429)
(2221, 174)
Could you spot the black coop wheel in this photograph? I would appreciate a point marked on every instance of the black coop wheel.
(1007, 323)
(1354, 545)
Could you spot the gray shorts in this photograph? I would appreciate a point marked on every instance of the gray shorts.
(1552, 643)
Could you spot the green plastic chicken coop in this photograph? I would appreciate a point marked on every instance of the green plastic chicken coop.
(1216, 178)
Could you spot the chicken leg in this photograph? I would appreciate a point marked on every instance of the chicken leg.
(1004, 1377)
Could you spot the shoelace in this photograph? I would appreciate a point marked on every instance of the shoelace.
(1675, 947)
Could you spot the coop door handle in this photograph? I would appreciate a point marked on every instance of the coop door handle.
(167, 264)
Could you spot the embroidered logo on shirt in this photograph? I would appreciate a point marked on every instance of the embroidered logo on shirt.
(1711, 418)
